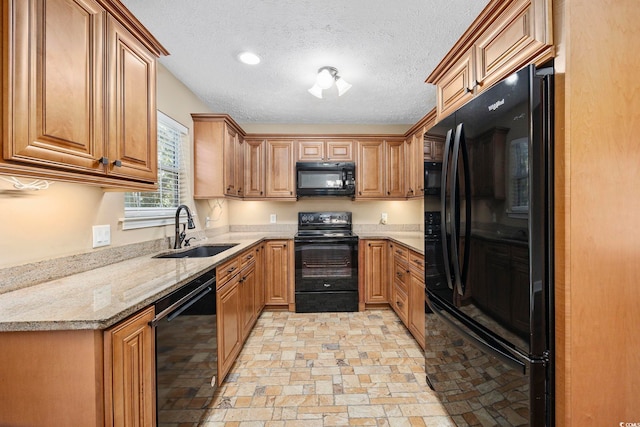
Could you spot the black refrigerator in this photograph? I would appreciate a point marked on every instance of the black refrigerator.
(489, 256)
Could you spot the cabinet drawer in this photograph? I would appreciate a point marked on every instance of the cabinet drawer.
(400, 303)
(400, 272)
(416, 261)
(247, 258)
(226, 271)
(399, 251)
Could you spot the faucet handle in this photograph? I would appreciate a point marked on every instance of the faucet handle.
(186, 242)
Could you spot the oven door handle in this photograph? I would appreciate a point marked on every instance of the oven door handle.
(181, 305)
(329, 240)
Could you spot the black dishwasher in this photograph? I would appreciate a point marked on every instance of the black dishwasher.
(186, 352)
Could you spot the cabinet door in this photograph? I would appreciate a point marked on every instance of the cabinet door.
(130, 372)
(57, 77)
(254, 168)
(340, 151)
(456, 85)
(396, 161)
(416, 306)
(229, 326)
(259, 293)
(247, 286)
(516, 38)
(229, 161)
(416, 162)
(277, 264)
(311, 151)
(280, 170)
(133, 131)
(370, 169)
(376, 285)
(239, 169)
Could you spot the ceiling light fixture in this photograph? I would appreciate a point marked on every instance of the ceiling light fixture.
(249, 58)
(326, 77)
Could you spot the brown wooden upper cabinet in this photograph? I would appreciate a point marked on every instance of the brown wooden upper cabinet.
(433, 148)
(218, 152)
(280, 170)
(254, 169)
(318, 150)
(68, 114)
(506, 36)
(380, 169)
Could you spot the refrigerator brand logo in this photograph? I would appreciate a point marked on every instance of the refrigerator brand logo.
(494, 106)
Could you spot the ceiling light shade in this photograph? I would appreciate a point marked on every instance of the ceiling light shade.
(316, 91)
(249, 58)
(326, 77)
(342, 86)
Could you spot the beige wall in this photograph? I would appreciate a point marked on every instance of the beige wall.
(257, 213)
(39, 225)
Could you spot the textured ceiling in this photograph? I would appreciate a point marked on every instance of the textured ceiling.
(385, 49)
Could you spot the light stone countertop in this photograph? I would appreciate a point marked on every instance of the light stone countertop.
(99, 298)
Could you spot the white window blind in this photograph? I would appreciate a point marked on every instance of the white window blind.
(154, 208)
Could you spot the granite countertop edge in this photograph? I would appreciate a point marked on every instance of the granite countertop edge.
(100, 298)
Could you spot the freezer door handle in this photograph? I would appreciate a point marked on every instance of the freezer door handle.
(474, 334)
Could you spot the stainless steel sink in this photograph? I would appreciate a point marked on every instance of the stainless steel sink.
(198, 252)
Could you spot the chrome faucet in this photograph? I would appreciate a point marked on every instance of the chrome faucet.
(180, 235)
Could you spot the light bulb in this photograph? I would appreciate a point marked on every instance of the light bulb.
(324, 79)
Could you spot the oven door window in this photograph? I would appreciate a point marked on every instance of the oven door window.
(326, 261)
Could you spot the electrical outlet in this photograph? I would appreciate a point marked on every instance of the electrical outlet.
(101, 235)
(272, 218)
(383, 218)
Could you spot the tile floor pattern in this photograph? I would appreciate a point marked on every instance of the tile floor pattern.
(327, 369)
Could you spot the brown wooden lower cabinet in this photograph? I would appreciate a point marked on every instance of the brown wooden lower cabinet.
(279, 271)
(373, 273)
(393, 274)
(229, 325)
(80, 377)
(130, 372)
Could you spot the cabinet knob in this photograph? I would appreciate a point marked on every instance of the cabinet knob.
(261, 193)
(103, 160)
(360, 193)
(291, 193)
(117, 163)
(388, 193)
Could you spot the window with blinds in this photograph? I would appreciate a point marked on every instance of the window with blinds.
(161, 205)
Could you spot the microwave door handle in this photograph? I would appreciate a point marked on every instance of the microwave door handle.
(443, 207)
(344, 178)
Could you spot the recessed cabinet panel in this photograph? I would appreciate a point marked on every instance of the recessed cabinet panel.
(280, 169)
(132, 112)
(57, 72)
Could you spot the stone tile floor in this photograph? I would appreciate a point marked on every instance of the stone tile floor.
(327, 369)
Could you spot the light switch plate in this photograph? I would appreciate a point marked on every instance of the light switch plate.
(272, 218)
(101, 235)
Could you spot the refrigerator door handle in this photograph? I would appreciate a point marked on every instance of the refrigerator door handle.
(443, 207)
(455, 206)
(466, 247)
(474, 335)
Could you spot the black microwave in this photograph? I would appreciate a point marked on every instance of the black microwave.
(325, 179)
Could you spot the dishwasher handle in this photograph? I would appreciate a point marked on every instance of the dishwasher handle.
(182, 304)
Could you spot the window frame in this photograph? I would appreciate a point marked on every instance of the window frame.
(135, 218)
